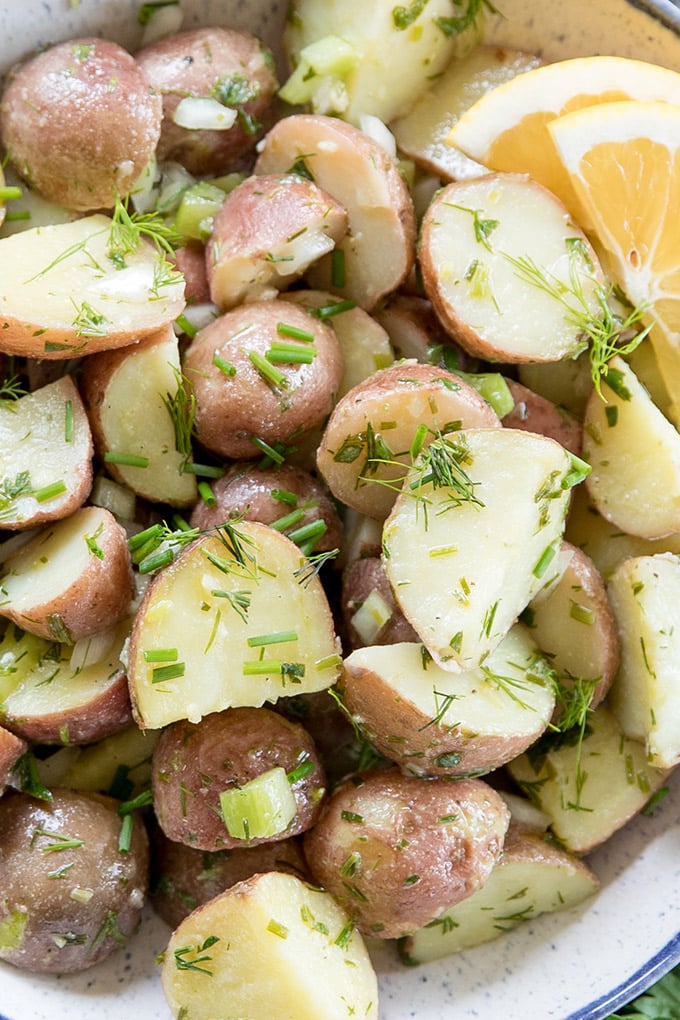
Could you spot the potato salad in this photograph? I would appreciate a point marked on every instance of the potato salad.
(339, 497)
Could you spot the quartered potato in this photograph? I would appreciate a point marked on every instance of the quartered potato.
(499, 490)
(45, 456)
(238, 619)
(532, 877)
(378, 252)
(433, 722)
(74, 288)
(148, 452)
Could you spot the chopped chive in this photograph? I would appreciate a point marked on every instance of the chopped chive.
(160, 655)
(185, 326)
(338, 275)
(444, 550)
(128, 459)
(271, 375)
(171, 672)
(156, 560)
(125, 837)
(206, 494)
(8, 192)
(19, 214)
(224, 366)
(284, 496)
(313, 530)
(336, 308)
(204, 470)
(272, 639)
(300, 771)
(262, 667)
(418, 440)
(328, 662)
(269, 451)
(142, 537)
(544, 561)
(277, 929)
(288, 520)
(291, 354)
(49, 491)
(581, 613)
(68, 421)
(285, 329)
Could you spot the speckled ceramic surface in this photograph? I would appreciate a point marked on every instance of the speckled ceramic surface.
(577, 965)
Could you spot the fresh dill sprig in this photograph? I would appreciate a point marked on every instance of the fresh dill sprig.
(470, 16)
(11, 389)
(181, 406)
(130, 229)
(312, 567)
(441, 465)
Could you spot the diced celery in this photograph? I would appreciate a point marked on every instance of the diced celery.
(194, 217)
(261, 808)
(371, 617)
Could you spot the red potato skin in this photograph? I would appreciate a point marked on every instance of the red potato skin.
(81, 122)
(190, 260)
(193, 63)
(118, 880)
(535, 413)
(359, 579)
(414, 331)
(406, 865)
(246, 491)
(194, 762)
(11, 750)
(232, 410)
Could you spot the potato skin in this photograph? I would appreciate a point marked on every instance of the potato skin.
(359, 579)
(93, 927)
(195, 63)
(535, 413)
(11, 750)
(194, 762)
(81, 122)
(396, 851)
(247, 490)
(185, 878)
(232, 410)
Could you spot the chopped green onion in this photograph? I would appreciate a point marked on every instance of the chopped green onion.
(185, 326)
(125, 837)
(271, 375)
(160, 655)
(328, 311)
(276, 638)
(142, 537)
(20, 214)
(224, 366)
(262, 808)
(262, 667)
(156, 560)
(288, 520)
(206, 494)
(206, 470)
(127, 459)
(338, 275)
(171, 672)
(284, 496)
(8, 192)
(313, 530)
(270, 452)
(49, 492)
(285, 329)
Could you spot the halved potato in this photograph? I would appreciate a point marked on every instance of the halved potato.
(589, 788)
(69, 580)
(645, 696)
(435, 723)
(47, 698)
(144, 375)
(367, 445)
(471, 537)
(237, 619)
(634, 452)
(532, 877)
(45, 456)
(269, 948)
(379, 248)
(507, 271)
(64, 291)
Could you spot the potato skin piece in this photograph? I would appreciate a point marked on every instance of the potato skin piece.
(93, 926)
(184, 878)
(396, 851)
(194, 762)
(81, 122)
(231, 410)
(194, 63)
(247, 490)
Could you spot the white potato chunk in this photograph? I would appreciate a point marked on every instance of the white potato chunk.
(507, 271)
(634, 452)
(645, 696)
(395, 52)
(71, 579)
(573, 623)
(116, 384)
(589, 788)
(238, 619)
(45, 456)
(471, 537)
(378, 251)
(269, 948)
(434, 722)
(421, 133)
(64, 292)
(532, 877)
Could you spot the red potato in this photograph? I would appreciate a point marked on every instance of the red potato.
(365, 587)
(396, 851)
(267, 233)
(194, 763)
(242, 395)
(535, 413)
(70, 924)
(190, 260)
(379, 248)
(71, 579)
(233, 69)
(81, 122)
(11, 750)
(268, 495)
(415, 331)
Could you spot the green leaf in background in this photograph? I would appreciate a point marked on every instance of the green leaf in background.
(660, 1002)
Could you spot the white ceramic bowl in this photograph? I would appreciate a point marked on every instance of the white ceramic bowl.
(577, 965)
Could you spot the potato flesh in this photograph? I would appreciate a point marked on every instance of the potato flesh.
(281, 953)
(645, 696)
(181, 611)
(531, 878)
(590, 789)
(489, 307)
(33, 438)
(634, 452)
(462, 603)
